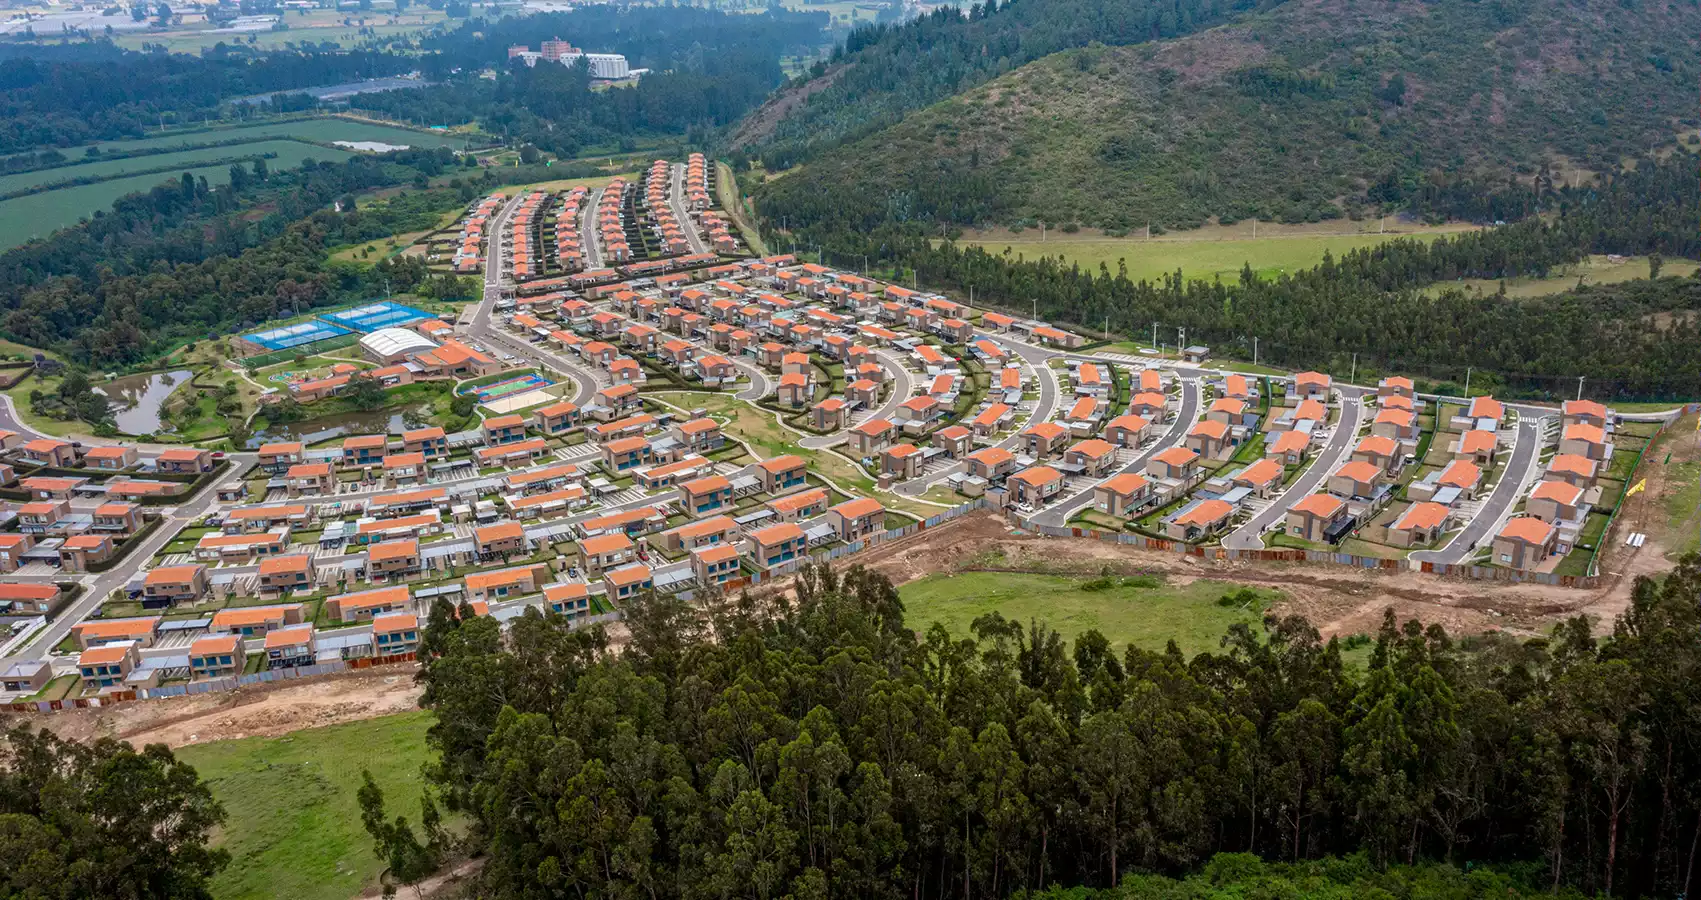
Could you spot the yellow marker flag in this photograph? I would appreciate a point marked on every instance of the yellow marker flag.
(1638, 486)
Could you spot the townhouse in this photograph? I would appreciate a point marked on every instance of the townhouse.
(290, 572)
(706, 496)
(392, 560)
(171, 585)
(1034, 486)
(1420, 525)
(516, 582)
(1319, 518)
(1198, 520)
(1121, 495)
(715, 565)
(362, 606)
(901, 461)
(776, 544)
(855, 520)
(256, 621)
(1525, 542)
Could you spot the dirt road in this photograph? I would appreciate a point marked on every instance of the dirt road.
(1338, 600)
(265, 710)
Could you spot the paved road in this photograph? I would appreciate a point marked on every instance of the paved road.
(1036, 358)
(590, 240)
(1526, 449)
(903, 385)
(1251, 535)
(481, 326)
(1060, 512)
(676, 199)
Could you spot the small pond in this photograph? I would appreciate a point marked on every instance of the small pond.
(136, 399)
(324, 428)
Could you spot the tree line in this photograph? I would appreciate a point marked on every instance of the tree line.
(1390, 304)
(820, 747)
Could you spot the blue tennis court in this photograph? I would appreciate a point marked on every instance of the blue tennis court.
(290, 336)
(373, 316)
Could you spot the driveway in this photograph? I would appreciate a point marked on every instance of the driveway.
(1251, 535)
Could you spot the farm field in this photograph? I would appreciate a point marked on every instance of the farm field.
(312, 26)
(288, 155)
(1146, 610)
(293, 827)
(1199, 257)
(311, 129)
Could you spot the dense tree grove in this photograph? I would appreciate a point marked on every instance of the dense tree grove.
(1386, 304)
(184, 260)
(102, 821)
(884, 71)
(822, 748)
(1292, 113)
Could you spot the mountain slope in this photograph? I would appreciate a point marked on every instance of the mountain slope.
(1315, 108)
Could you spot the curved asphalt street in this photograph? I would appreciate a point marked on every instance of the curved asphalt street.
(1250, 536)
(1526, 450)
(1060, 512)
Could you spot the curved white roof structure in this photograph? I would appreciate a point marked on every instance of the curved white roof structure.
(389, 342)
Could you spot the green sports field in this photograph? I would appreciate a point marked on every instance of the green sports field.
(1197, 259)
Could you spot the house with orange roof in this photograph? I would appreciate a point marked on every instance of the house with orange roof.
(699, 435)
(1149, 405)
(1126, 431)
(628, 581)
(387, 560)
(855, 520)
(1209, 439)
(707, 496)
(500, 539)
(799, 506)
(12, 549)
(402, 469)
(171, 585)
(502, 583)
(18, 598)
(1084, 416)
(516, 453)
(1525, 542)
(829, 415)
(1478, 446)
(955, 441)
(1395, 386)
(395, 634)
(1057, 337)
(777, 544)
(1045, 440)
(615, 401)
(991, 463)
(364, 450)
(110, 458)
(1483, 412)
(290, 572)
(783, 473)
(605, 551)
(362, 606)
(1238, 387)
(1198, 520)
(241, 548)
(1572, 468)
(51, 488)
(108, 666)
(1585, 440)
(289, 648)
(1462, 475)
(42, 516)
(1289, 447)
(143, 630)
(704, 533)
(50, 452)
(1396, 424)
(1310, 386)
(1355, 481)
(795, 389)
(82, 550)
(431, 442)
(185, 461)
(216, 656)
(1419, 525)
(1034, 486)
(1382, 452)
(864, 392)
(1122, 495)
(256, 621)
(993, 419)
(310, 479)
(1175, 464)
(1584, 412)
(626, 453)
(1094, 457)
(715, 565)
(901, 461)
(1318, 518)
(499, 430)
(919, 414)
(1261, 477)
(1558, 503)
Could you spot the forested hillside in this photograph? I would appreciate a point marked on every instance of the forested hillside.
(828, 750)
(1310, 110)
(885, 71)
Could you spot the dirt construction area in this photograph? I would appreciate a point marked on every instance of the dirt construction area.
(1339, 600)
(263, 710)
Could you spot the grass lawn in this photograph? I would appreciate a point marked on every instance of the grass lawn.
(1683, 509)
(1201, 256)
(1146, 611)
(294, 826)
(1596, 269)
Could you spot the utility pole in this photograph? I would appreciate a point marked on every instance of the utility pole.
(1467, 382)
(1180, 339)
(1354, 376)
(1579, 387)
(1107, 326)
(1036, 309)
(971, 296)
(1255, 350)
(1154, 334)
(1255, 228)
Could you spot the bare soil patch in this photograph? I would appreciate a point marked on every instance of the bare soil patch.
(1338, 600)
(264, 710)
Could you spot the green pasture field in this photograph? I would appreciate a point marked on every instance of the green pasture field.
(1203, 260)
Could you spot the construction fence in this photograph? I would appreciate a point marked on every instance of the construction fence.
(193, 688)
